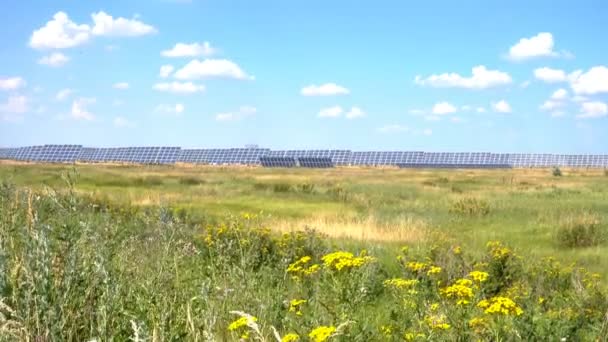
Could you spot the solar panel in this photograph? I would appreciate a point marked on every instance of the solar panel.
(267, 161)
(315, 162)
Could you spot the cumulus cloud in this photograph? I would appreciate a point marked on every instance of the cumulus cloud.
(594, 81)
(442, 108)
(56, 59)
(166, 70)
(208, 68)
(179, 87)
(501, 106)
(80, 111)
(590, 110)
(394, 128)
(121, 85)
(175, 110)
(480, 110)
(63, 94)
(550, 75)
(327, 89)
(331, 112)
(14, 108)
(540, 45)
(60, 33)
(190, 50)
(241, 113)
(106, 25)
(560, 94)
(354, 113)
(11, 83)
(481, 78)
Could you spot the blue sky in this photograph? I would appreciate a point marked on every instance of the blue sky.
(518, 76)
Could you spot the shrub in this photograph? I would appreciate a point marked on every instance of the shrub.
(470, 207)
(307, 188)
(556, 172)
(190, 181)
(281, 187)
(583, 230)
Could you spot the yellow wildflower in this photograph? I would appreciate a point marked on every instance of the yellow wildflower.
(479, 276)
(386, 330)
(410, 336)
(322, 333)
(415, 266)
(500, 305)
(290, 337)
(239, 323)
(345, 260)
(295, 306)
(460, 290)
(434, 306)
(433, 270)
(437, 322)
(298, 265)
(457, 250)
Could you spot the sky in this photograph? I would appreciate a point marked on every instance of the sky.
(510, 76)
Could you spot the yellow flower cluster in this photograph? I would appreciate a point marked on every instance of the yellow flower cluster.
(498, 250)
(345, 260)
(437, 322)
(500, 305)
(410, 336)
(291, 337)
(300, 267)
(295, 306)
(415, 266)
(322, 333)
(461, 290)
(400, 283)
(241, 322)
(479, 276)
(433, 270)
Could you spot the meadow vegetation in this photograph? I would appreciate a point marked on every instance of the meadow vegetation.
(216, 254)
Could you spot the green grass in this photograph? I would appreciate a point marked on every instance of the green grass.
(524, 205)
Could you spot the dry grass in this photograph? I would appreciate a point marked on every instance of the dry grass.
(364, 230)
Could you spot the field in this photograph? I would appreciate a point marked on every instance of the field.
(346, 254)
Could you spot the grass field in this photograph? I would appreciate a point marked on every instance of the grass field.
(536, 214)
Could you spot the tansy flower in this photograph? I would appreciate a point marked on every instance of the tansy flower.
(479, 276)
(294, 306)
(290, 337)
(322, 333)
(500, 305)
(433, 270)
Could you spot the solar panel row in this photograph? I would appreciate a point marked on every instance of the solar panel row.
(303, 158)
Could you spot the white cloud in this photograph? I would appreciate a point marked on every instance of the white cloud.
(480, 110)
(63, 94)
(166, 70)
(525, 84)
(540, 45)
(175, 110)
(551, 105)
(354, 113)
(179, 87)
(591, 110)
(196, 69)
(11, 83)
(560, 94)
(189, 50)
(121, 85)
(331, 112)
(394, 128)
(501, 107)
(327, 89)
(591, 82)
(550, 75)
(60, 33)
(427, 132)
(243, 112)
(106, 25)
(120, 121)
(14, 108)
(80, 111)
(579, 98)
(442, 108)
(481, 78)
(56, 59)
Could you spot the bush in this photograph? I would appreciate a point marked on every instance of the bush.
(556, 172)
(470, 207)
(190, 181)
(281, 187)
(583, 230)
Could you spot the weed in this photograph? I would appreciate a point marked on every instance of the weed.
(556, 172)
(581, 230)
(281, 187)
(470, 207)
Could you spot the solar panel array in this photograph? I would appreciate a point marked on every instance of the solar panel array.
(254, 155)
